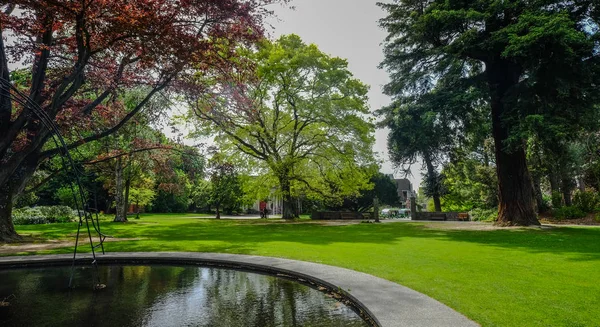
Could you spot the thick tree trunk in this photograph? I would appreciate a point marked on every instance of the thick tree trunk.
(515, 188)
(432, 173)
(7, 229)
(289, 208)
(218, 205)
(8, 192)
(120, 215)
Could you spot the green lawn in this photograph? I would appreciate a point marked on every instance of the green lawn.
(511, 277)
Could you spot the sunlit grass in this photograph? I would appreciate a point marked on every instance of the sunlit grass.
(497, 278)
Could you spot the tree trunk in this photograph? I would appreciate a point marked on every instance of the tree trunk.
(120, 215)
(432, 173)
(581, 183)
(288, 210)
(515, 188)
(8, 192)
(537, 187)
(126, 197)
(137, 209)
(554, 181)
(7, 229)
(218, 205)
(566, 188)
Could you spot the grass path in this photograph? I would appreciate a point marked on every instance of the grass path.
(516, 277)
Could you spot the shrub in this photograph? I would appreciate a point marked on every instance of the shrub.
(597, 217)
(569, 213)
(43, 215)
(28, 216)
(586, 200)
(556, 200)
(483, 214)
(59, 214)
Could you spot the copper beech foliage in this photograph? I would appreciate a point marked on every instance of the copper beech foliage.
(79, 56)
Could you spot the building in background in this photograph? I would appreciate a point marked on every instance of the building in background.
(404, 189)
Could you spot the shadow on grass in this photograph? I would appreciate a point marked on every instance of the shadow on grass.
(242, 237)
(245, 236)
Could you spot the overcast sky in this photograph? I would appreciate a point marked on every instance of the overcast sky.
(346, 29)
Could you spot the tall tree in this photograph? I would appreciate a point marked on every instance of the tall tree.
(226, 190)
(417, 134)
(427, 126)
(82, 53)
(298, 113)
(537, 58)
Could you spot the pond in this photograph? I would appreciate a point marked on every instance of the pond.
(165, 296)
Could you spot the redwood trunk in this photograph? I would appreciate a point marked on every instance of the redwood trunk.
(515, 188)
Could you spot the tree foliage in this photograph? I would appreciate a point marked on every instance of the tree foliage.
(225, 190)
(536, 60)
(297, 114)
(384, 189)
(83, 53)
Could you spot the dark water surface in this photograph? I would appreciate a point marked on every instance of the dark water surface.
(165, 296)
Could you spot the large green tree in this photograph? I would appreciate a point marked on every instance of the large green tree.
(538, 58)
(298, 114)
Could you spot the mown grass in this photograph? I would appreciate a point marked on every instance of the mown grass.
(516, 277)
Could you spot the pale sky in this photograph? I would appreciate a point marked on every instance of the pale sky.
(346, 29)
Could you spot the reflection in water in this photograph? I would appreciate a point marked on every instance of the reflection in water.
(165, 296)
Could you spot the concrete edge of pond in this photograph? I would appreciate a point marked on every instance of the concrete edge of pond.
(385, 303)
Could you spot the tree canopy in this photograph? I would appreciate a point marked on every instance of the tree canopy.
(82, 54)
(297, 113)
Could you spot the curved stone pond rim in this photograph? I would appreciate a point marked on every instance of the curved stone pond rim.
(379, 302)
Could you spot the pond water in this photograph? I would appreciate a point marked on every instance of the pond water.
(165, 296)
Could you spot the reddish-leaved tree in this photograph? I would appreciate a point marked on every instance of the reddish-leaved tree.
(82, 53)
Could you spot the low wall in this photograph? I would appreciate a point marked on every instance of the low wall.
(447, 216)
(339, 215)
